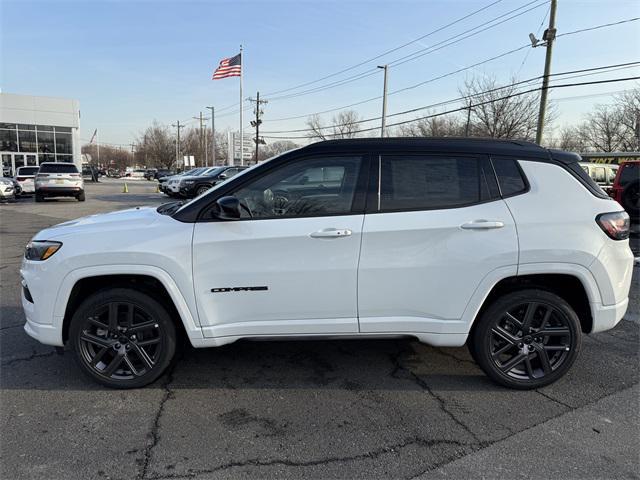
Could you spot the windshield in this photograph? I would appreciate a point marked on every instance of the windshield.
(58, 168)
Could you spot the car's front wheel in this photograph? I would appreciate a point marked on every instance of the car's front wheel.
(202, 190)
(122, 338)
(527, 339)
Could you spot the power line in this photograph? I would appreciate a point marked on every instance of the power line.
(597, 27)
(475, 12)
(592, 70)
(517, 94)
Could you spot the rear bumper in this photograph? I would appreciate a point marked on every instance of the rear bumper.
(59, 191)
(605, 317)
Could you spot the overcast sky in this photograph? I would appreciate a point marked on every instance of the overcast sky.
(130, 62)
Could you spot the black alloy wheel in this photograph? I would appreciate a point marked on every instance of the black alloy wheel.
(122, 338)
(527, 339)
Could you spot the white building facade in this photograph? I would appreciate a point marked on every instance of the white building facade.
(38, 129)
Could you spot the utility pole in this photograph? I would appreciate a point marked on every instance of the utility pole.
(213, 135)
(468, 125)
(256, 123)
(178, 127)
(203, 150)
(549, 36)
(384, 100)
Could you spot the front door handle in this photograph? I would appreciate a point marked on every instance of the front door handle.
(482, 225)
(331, 233)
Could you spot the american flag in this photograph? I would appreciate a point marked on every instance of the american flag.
(229, 67)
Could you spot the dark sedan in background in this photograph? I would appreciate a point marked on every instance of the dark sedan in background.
(194, 186)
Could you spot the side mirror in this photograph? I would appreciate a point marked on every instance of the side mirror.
(228, 208)
(222, 176)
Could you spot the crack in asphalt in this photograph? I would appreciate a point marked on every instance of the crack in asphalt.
(323, 461)
(154, 434)
(11, 326)
(33, 356)
(395, 359)
(559, 402)
(457, 359)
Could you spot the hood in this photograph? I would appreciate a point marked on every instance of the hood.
(128, 221)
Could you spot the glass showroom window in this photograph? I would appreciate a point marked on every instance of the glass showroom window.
(63, 142)
(8, 138)
(64, 158)
(46, 142)
(27, 141)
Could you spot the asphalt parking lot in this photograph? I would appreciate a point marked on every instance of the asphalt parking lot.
(314, 409)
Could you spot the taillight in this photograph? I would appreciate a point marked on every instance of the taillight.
(20, 179)
(614, 224)
(74, 174)
(40, 175)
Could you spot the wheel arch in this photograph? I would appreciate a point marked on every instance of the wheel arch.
(569, 286)
(152, 281)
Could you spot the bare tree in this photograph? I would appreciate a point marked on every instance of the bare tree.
(628, 105)
(498, 113)
(603, 130)
(156, 146)
(343, 125)
(569, 138)
(276, 148)
(441, 126)
(110, 156)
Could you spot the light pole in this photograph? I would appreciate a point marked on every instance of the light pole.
(213, 135)
(384, 100)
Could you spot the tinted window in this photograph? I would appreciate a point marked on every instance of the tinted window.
(288, 191)
(425, 182)
(509, 176)
(58, 168)
(629, 173)
(28, 170)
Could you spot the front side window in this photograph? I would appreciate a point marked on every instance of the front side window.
(415, 182)
(305, 188)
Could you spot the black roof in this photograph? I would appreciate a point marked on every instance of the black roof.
(435, 144)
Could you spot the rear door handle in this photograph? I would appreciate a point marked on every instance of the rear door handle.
(482, 225)
(331, 233)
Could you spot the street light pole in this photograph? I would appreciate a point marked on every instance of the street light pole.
(213, 135)
(384, 100)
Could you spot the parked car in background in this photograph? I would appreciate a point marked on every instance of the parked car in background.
(150, 174)
(137, 174)
(626, 188)
(603, 174)
(172, 184)
(504, 246)
(57, 179)
(7, 189)
(90, 173)
(193, 186)
(163, 172)
(25, 176)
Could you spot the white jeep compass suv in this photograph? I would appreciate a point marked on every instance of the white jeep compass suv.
(503, 245)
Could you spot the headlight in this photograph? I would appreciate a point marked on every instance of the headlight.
(41, 250)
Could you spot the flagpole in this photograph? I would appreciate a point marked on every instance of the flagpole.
(241, 137)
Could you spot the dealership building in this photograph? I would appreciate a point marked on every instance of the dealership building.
(38, 129)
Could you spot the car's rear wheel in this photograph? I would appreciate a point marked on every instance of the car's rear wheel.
(39, 197)
(122, 338)
(527, 339)
(81, 197)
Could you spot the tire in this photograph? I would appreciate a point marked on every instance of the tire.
(631, 199)
(202, 189)
(519, 331)
(112, 351)
(39, 197)
(81, 196)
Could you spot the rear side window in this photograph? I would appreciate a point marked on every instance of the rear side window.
(577, 170)
(510, 176)
(58, 168)
(416, 182)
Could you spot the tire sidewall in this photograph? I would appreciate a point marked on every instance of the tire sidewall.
(144, 302)
(481, 336)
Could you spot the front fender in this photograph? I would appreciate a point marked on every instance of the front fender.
(188, 314)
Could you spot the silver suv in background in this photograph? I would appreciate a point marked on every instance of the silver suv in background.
(58, 179)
